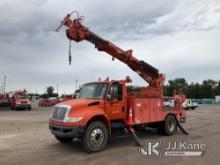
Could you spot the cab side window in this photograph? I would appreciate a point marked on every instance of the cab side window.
(116, 91)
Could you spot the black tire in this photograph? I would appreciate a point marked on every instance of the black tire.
(170, 125)
(29, 108)
(64, 139)
(99, 133)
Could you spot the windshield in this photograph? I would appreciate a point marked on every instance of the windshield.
(93, 91)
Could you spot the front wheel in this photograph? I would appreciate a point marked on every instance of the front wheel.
(95, 137)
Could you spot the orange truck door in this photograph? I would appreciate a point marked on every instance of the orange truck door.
(115, 102)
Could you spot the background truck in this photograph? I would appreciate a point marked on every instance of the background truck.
(106, 108)
(4, 101)
(48, 102)
(169, 102)
(189, 104)
(19, 100)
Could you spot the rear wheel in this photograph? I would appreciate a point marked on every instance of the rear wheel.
(170, 125)
(95, 137)
(64, 139)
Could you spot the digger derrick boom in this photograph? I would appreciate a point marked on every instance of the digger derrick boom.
(77, 32)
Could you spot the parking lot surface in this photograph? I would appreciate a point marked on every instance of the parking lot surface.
(26, 139)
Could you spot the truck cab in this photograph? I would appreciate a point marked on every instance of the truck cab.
(102, 101)
(106, 98)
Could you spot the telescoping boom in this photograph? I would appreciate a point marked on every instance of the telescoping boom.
(77, 32)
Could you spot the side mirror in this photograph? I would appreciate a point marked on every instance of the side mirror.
(109, 97)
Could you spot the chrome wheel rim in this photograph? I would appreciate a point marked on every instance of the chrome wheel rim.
(97, 137)
(171, 126)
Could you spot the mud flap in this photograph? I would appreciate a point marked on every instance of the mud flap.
(181, 128)
(135, 136)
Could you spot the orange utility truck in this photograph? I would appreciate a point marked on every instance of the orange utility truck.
(19, 100)
(107, 108)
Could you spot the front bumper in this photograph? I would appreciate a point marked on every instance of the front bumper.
(67, 131)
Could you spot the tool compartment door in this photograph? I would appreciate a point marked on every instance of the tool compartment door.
(146, 110)
(141, 113)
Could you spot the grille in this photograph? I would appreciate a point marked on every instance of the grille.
(59, 113)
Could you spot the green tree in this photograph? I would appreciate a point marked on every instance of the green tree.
(44, 96)
(50, 90)
(217, 88)
(132, 87)
(176, 84)
(208, 89)
(193, 91)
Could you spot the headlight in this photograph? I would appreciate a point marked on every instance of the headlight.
(73, 119)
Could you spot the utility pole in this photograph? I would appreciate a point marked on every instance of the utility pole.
(4, 85)
(2, 88)
(58, 89)
(76, 82)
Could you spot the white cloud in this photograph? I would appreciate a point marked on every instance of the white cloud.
(178, 37)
